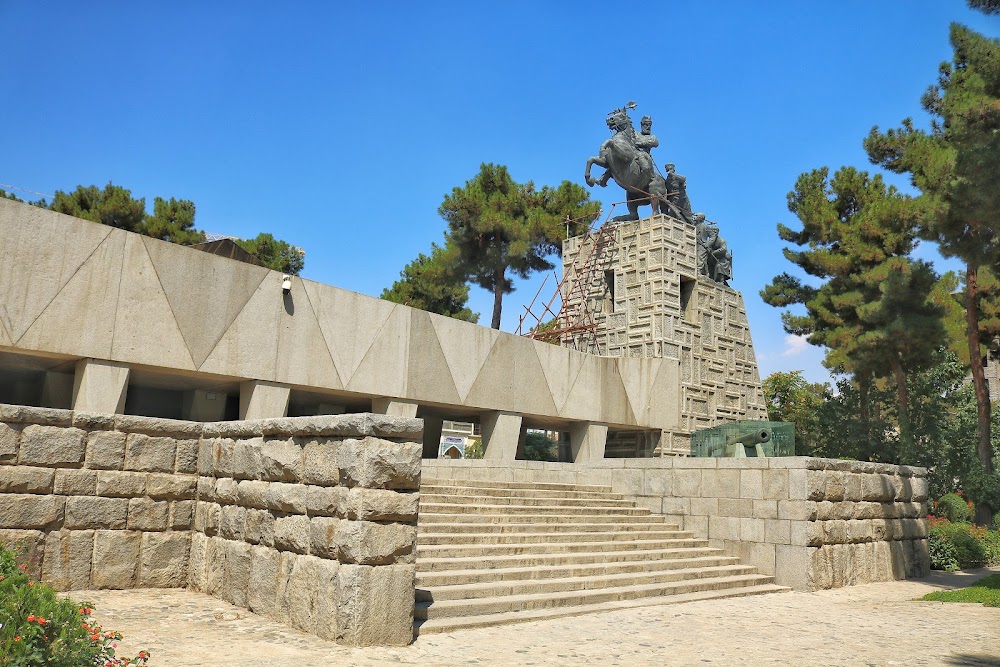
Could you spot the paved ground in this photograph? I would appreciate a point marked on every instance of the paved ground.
(877, 624)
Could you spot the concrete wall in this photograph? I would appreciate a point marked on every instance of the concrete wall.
(73, 289)
(812, 523)
(309, 520)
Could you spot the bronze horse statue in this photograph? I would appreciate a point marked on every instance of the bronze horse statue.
(630, 167)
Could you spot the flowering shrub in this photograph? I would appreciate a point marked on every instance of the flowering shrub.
(961, 545)
(37, 627)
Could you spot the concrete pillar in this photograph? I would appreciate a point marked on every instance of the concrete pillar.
(432, 436)
(204, 406)
(501, 435)
(262, 400)
(57, 390)
(100, 386)
(587, 441)
(394, 407)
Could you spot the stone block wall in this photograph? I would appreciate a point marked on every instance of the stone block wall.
(310, 520)
(811, 523)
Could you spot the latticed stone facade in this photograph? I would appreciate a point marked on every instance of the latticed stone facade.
(642, 288)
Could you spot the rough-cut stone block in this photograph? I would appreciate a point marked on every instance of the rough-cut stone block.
(291, 533)
(322, 537)
(164, 560)
(28, 546)
(220, 459)
(259, 527)
(29, 511)
(809, 533)
(93, 421)
(792, 566)
(232, 522)
(325, 500)
(196, 562)
(75, 482)
(282, 497)
(157, 426)
(878, 488)
(206, 489)
(150, 454)
(237, 573)
(26, 414)
(84, 512)
(321, 465)
(286, 561)
(375, 605)
(121, 484)
(181, 515)
(67, 560)
(25, 479)
(116, 559)
(52, 446)
(920, 488)
(368, 543)
(300, 594)
(377, 505)
(376, 463)
(146, 514)
(325, 612)
(215, 565)
(171, 487)
(9, 437)
(853, 487)
(252, 493)
(262, 586)
(105, 450)
(187, 457)
(226, 490)
(269, 459)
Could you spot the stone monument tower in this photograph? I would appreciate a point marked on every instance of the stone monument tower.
(657, 287)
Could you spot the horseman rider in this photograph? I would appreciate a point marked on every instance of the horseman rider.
(645, 142)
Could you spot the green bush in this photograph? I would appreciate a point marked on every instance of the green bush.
(37, 627)
(944, 556)
(953, 507)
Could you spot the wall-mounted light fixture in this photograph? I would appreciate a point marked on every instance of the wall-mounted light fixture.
(286, 284)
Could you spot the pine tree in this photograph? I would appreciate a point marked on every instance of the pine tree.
(432, 284)
(501, 229)
(954, 165)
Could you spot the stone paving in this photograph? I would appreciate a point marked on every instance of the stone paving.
(870, 625)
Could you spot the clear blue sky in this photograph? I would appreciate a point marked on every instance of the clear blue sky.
(340, 127)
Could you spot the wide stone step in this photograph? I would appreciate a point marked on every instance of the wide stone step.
(444, 563)
(455, 551)
(546, 486)
(523, 500)
(532, 509)
(449, 624)
(507, 492)
(428, 518)
(479, 575)
(512, 603)
(492, 589)
(549, 528)
(431, 539)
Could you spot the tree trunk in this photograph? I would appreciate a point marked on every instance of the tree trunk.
(498, 296)
(864, 380)
(984, 448)
(903, 401)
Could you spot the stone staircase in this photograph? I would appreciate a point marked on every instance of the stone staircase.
(490, 553)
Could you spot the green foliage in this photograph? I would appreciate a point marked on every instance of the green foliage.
(9, 195)
(974, 546)
(540, 447)
(274, 253)
(500, 228)
(433, 284)
(474, 450)
(953, 507)
(985, 591)
(38, 627)
(944, 555)
(791, 399)
(112, 206)
(172, 221)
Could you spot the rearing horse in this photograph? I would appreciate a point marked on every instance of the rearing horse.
(631, 168)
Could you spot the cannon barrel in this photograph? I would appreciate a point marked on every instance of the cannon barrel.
(758, 437)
